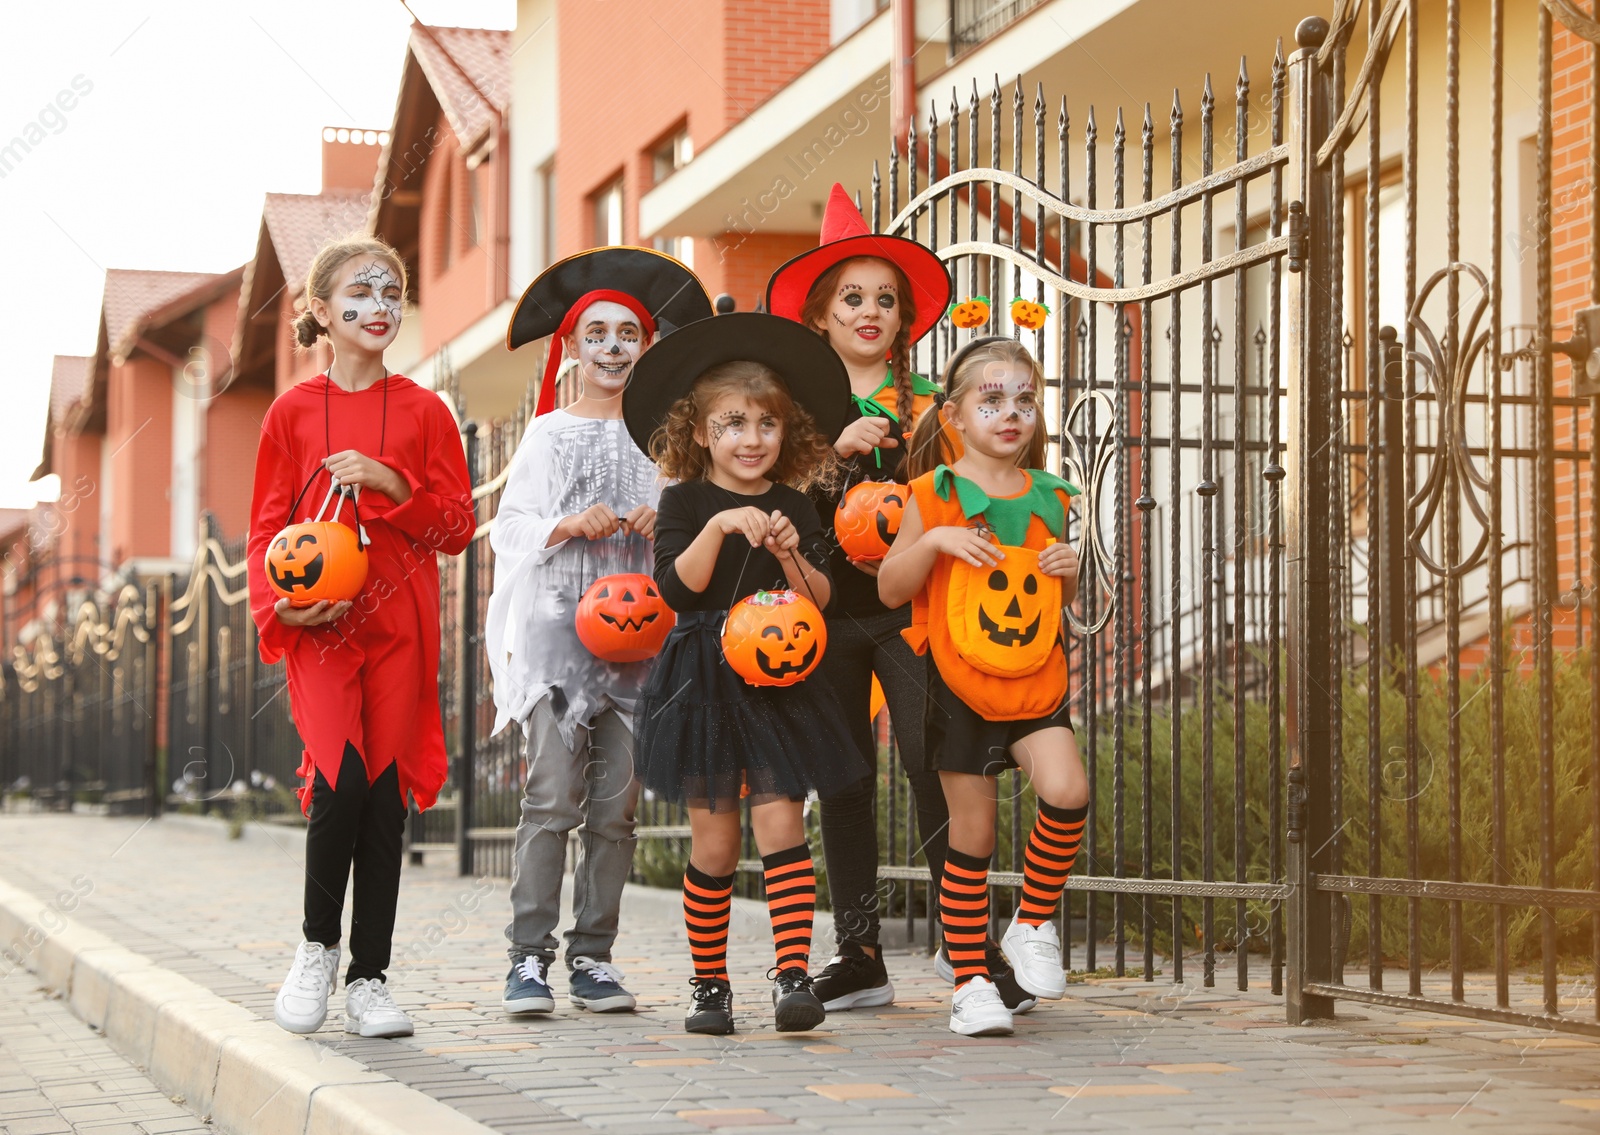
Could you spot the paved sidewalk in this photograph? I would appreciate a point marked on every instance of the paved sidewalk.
(1116, 1055)
(57, 1075)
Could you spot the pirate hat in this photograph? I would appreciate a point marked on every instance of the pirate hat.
(814, 374)
(663, 293)
(845, 236)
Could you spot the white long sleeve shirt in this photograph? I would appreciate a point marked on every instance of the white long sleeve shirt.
(563, 465)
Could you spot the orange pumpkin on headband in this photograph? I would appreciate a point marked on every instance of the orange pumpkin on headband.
(774, 638)
(970, 312)
(1027, 314)
(316, 560)
(868, 518)
(622, 618)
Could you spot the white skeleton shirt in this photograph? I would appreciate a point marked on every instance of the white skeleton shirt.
(563, 465)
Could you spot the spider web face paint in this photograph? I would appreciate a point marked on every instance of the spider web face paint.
(368, 300)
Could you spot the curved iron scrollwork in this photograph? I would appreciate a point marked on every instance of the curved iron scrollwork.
(1088, 471)
(1449, 369)
(1574, 19)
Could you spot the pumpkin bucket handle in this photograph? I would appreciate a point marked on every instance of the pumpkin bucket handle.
(355, 507)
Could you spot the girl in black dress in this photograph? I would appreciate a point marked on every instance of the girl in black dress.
(741, 411)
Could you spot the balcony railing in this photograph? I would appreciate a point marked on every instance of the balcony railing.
(972, 22)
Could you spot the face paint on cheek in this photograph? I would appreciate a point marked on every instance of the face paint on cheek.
(350, 315)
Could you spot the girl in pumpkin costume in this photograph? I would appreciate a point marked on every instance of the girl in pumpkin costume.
(362, 673)
(740, 410)
(579, 504)
(981, 554)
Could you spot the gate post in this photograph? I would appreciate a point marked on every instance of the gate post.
(1309, 460)
(467, 669)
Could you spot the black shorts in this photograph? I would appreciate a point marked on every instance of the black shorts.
(957, 739)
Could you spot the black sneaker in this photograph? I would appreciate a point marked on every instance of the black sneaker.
(710, 1007)
(795, 1008)
(852, 980)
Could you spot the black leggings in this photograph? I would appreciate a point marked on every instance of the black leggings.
(360, 824)
(858, 647)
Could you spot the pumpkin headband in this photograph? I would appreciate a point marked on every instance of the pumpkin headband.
(974, 312)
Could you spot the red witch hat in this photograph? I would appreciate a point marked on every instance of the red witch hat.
(845, 236)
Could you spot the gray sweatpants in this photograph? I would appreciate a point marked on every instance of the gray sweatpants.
(592, 787)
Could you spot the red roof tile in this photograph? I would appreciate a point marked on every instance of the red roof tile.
(69, 376)
(485, 55)
(131, 294)
(300, 223)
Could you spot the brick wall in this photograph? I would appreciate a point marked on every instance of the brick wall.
(707, 64)
(453, 290)
(233, 433)
(139, 432)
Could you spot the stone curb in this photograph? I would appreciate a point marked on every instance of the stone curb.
(246, 1073)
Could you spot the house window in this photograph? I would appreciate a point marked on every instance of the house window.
(679, 247)
(607, 214)
(670, 155)
(474, 232)
(545, 223)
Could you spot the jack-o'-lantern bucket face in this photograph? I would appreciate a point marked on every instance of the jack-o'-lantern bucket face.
(315, 561)
(1004, 618)
(868, 518)
(774, 638)
(623, 618)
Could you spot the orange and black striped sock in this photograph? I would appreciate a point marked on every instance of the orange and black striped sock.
(964, 910)
(707, 903)
(1052, 849)
(791, 881)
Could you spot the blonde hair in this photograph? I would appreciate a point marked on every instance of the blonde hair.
(805, 459)
(324, 273)
(932, 444)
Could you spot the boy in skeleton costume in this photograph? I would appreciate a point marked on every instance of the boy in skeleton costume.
(579, 504)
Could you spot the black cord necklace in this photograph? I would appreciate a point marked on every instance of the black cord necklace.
(327, 434)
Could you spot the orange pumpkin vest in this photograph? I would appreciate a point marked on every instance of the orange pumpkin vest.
(993, 697)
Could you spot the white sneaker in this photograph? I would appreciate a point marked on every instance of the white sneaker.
(370, 1011)
(977, 1010)
(302, 1002)
(1035, 953)
(942, 967)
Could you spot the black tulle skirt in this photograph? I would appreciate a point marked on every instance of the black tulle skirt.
(701, 733)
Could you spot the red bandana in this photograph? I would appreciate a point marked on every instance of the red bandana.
(547, 388)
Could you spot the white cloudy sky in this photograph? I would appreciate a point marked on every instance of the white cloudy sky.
(197, 108)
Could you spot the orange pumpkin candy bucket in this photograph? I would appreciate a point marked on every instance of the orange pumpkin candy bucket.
(319, 559)
(868, 518)
(623, 618)
(774, 638)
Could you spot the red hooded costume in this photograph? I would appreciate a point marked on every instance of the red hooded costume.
(372, 678)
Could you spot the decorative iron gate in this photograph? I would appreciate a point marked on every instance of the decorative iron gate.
(1428, 466)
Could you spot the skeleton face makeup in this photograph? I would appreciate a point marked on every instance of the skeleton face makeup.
(744, 439)
(999, 411)
(606, 341)
(864, 315)
(363, 313)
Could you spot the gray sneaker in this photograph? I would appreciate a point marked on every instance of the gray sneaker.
(597, 987)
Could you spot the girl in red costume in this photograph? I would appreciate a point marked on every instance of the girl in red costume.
(363, 674)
